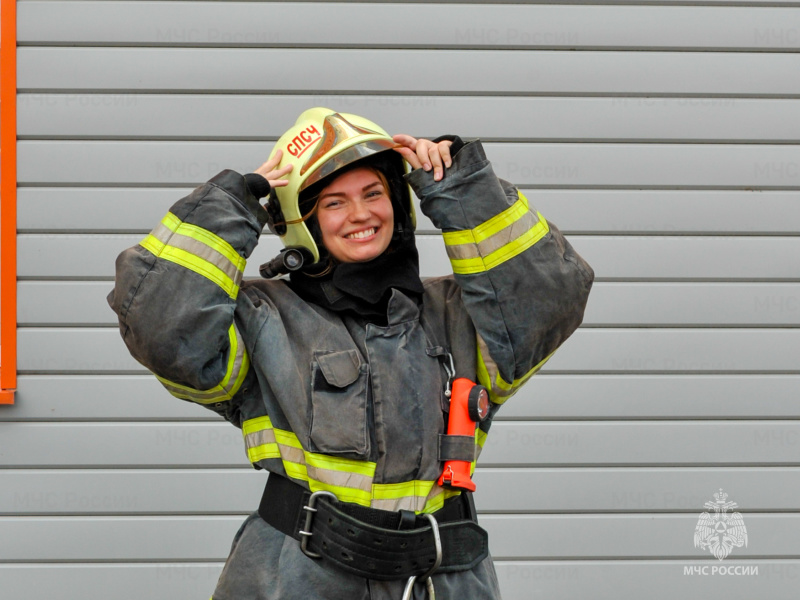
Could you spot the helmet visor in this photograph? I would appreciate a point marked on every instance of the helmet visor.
(345, 157)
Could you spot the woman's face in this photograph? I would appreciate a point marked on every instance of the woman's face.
(355, 216)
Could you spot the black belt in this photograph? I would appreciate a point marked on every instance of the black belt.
(373, 543)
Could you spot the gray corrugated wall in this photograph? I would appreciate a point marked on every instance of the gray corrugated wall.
(663, 138)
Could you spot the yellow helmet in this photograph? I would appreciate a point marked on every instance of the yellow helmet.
(321, 142)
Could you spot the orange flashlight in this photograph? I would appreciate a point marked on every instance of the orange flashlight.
(469, 405)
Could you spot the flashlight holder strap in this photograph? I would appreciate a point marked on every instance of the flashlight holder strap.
(456, 447)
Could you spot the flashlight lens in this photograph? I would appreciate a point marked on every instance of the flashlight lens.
(478, 403)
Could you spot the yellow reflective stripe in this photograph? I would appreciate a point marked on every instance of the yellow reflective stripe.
(263, 452)
(201, 267)
(333, 463)
(238, 365)
(259, 439)
(485, 262)
(206, 237)
(502, 220)
(257, 424)
(418, 496)
(489, 228)
(495, 241)
(484, 378)
(288, 438)
(171, 221)
(351, 480)
(480, 438)
(458, 238)
(199, 250)
(489, 376)
(437, 502)
(405, 489)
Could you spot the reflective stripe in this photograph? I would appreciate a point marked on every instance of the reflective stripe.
(199, 250)
(495, 241)
(419, 496)
(480, 440)
(491, 244)
(351, 480)
(238, 365)
(489, 376)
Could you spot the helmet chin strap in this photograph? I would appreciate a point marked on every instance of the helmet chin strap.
(401, 234)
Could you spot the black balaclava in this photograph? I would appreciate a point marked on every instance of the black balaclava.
(365, 287)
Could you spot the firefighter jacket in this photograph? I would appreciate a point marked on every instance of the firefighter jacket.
(327, 399)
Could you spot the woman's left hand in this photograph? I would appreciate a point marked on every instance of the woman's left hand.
(270, 171)
(425, 154)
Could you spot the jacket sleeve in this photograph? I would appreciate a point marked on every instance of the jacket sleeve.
(175, 292)
(522, 283)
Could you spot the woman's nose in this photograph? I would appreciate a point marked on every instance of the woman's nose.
(359, 211)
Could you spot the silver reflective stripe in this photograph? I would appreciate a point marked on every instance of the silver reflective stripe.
(201, 397)
(297, 457)
(240, 362)
(183, 242)
(353, 481)
(292, 454)
(492, 371)
(496, 241)
(413, 503)
(262, 437)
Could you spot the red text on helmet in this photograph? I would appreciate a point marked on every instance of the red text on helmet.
(302, 142)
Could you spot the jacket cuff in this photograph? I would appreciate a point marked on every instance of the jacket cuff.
(238, 186)
(469, 154)
(257, 184)
(456, 146)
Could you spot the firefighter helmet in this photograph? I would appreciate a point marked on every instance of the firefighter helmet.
(321, 142)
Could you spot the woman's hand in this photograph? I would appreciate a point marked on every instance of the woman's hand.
(273, 175)
(425, 154)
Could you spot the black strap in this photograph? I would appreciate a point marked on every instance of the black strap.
(369, 542)
(456, 447)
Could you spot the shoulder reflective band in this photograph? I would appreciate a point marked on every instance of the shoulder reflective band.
(500, 390)
(238, 365)
(351, 480)
(199, 250)
(495, 241)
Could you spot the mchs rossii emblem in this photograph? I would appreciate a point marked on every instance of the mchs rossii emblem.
(720, 532)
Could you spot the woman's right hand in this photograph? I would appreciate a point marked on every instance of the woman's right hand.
(273, 175)
(425, 154)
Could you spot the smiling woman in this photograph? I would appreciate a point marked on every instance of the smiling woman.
(340, 376)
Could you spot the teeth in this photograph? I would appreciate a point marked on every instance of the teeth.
(361, 234)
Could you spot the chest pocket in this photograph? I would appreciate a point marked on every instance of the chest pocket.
(339, 404)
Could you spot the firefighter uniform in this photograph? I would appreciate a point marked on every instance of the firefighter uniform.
(334, 401)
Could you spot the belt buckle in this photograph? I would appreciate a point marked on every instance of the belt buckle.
(310, 510)
(410, 587)
(437, 541)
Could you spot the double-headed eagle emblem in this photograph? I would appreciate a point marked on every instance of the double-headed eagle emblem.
(720, 532)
